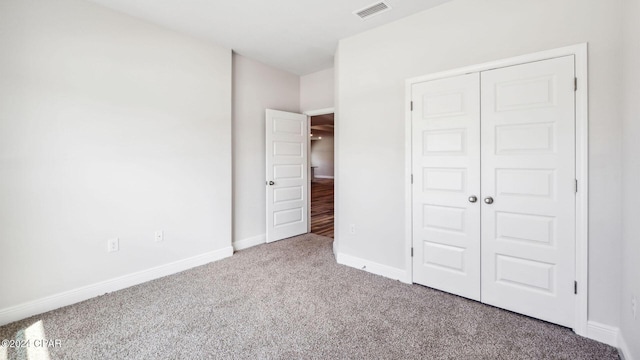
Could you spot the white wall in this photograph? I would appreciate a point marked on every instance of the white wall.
(322, 154)
(371, 102)
(629, 326)
(317, 90)
(256, 87)
(109, 127)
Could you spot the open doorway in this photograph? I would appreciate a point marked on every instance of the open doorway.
(321, 154)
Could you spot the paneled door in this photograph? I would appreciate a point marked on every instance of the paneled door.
(528, 189)
(494, 189)
(287, 171)
(446, 184)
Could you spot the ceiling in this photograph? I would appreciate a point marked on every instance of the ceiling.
(326, 119)
(299, 36)
(322, 124)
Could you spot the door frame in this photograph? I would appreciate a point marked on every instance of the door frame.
(579, 51)
(309, 114)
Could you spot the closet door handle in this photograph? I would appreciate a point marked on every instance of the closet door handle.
(473, 199)
(488, 200)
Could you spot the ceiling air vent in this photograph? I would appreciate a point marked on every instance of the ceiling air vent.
(372, 10)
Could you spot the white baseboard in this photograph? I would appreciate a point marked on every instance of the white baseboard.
(372, 267)
(52, 302)
(623, 348)
(609, 335)
(603, 333)
(249, 242)
(323, 176)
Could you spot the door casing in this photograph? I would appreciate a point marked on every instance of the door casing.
(582, 165)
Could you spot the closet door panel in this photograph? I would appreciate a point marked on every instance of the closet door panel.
(528, 182)
(446, 172)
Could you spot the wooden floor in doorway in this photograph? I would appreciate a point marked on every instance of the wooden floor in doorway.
(322, 207)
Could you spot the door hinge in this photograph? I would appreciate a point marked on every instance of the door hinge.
(575, 84)
(412, 106)
(411, 252)
(575, 287)
(576, 185)
(412, 178)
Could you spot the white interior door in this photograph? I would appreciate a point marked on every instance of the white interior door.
(528, 171)
(287, 174)
(446, 178)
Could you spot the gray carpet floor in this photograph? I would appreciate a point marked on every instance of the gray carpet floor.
(289, 300)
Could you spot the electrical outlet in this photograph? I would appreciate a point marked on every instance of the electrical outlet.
(113, 245)
(634, 306)
(159, 236)
(352, 229)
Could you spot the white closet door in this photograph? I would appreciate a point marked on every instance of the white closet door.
(528, 170)
(446, 171)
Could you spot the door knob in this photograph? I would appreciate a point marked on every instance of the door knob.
(473, 199)
(488, 200)
(271, 183)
